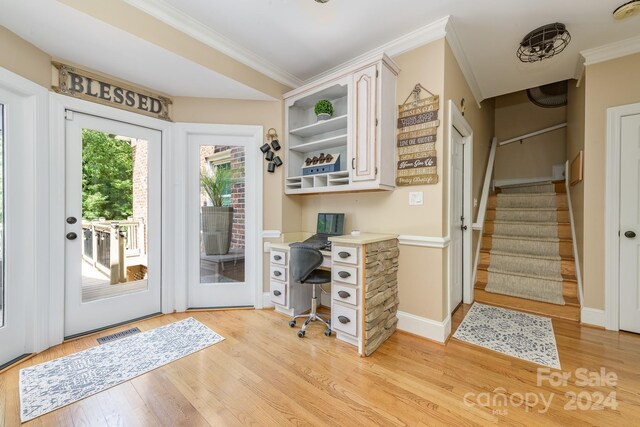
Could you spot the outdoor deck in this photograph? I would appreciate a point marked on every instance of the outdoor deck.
(96, 285)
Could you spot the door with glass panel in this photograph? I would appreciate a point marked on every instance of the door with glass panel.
(113, 205)
(220, 217)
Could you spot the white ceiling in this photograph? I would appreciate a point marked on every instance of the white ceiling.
(306, 38)
(70, 35)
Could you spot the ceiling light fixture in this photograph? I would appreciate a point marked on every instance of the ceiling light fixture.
(543, 42)
(627, 10)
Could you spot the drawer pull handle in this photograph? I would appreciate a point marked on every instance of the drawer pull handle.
(277, 293)
(344, 294)
(277, 257)
(344, 274)
(344, 320)
(277, 273)
(344, 254)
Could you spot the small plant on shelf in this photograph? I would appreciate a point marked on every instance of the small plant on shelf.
(324, 109)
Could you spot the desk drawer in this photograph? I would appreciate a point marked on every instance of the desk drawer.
(342, 273)
(345, 254)
(278, 257)
(278, 273)
(344, 319)
(278, 292)
(344, 294)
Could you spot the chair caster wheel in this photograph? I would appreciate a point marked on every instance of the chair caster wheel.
(300, 334)
(292, 323)
(327, 332)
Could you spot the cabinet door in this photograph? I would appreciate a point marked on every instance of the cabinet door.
(364, 141)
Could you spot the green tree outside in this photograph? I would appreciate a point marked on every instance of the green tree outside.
(107, 170)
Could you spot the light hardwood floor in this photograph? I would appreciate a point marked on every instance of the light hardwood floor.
(263, 374)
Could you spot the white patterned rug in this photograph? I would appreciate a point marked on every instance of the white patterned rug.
(525, 336)
(54, 384)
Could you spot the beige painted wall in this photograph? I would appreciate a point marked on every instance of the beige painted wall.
(24, 59)
(482, 121)
(515, 116)
(575, 143)
(608, 84)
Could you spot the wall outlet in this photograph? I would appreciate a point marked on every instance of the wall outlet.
(416, 198)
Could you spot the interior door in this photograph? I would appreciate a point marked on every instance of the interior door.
(365, 125)
(458, 222)
(113, 205)
(221, 217)
(16, 228)
(630, 224)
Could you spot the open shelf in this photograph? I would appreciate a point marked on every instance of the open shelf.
(321, 127)
(320, 180)
(322, 144)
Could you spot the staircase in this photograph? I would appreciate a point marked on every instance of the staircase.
(526, 258)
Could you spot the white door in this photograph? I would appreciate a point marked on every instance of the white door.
(16, 228)
(365, 125)
(458, 220)
(630, 224)
(221, 217)
(113, 205)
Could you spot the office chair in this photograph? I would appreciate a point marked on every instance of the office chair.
(303, 265)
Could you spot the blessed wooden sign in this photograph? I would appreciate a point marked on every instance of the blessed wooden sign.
(418, 128)
(91, 87)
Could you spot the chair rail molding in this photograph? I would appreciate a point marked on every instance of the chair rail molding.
(424, 241)
(271, 234)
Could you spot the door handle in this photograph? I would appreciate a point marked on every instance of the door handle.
(277, 257)
(277, 293)
(72, 220)
(72, 236)
(344, 294)
(630, 234)
(344, 274)
(463, 227)
(353, 163)
(277, 273)
(344, 255)
(344, 320)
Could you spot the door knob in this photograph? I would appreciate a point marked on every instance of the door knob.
(72, 236)
(630, 234)
(463, 227)
(71, 220)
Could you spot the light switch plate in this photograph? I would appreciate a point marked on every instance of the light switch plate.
(416, 198)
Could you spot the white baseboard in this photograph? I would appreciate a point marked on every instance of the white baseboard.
(266, 300)
(427, 328)
(593, 316)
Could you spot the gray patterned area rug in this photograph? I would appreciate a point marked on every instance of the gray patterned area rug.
(525, 336)
(54, 384)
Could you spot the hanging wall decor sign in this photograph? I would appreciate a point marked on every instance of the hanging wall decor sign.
(417, 134)
(85, 85)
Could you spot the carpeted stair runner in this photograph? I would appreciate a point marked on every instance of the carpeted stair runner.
(525, 256)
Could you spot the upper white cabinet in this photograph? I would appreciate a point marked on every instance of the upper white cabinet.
(361, 132)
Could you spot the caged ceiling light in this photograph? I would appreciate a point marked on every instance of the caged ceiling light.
(544, 42)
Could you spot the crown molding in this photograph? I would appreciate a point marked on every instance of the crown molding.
(193, 28)
(611, 51)
(463, 62)
(412, 40)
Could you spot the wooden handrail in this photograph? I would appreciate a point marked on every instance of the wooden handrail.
(573, 232)
(532, 134)
(479, 224)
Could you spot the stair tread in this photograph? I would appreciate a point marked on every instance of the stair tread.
(540, 239)
(527, 209)
(492, 251)
(525, 194)
(566, 312)
(508, 221)
(568, 300)
(565, 277)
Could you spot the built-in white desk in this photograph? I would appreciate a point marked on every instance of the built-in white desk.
(364, 287)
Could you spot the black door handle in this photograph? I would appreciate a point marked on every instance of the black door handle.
(344, 254)
(72, 236)
(72, 220)
(344, 294)
(277, 293)
(463, 227)
(630, 234)
(344, 274)
(344, 320)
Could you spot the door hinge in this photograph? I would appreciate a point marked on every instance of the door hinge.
(377, 73)
(376, 174)
(68, 114)
(376, 122)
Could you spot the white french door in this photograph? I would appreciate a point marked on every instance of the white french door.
(630, 224)
(222, 217)
(113, 222)
(457, 224)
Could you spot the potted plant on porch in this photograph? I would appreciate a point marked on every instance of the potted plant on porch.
(217, 220)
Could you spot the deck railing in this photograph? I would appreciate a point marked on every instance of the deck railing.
(106, 244)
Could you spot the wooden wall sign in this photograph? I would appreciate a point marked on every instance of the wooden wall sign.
(417, 134)
(85, 85)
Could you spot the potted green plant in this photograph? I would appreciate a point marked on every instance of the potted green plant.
(217, 220)
(324, 109)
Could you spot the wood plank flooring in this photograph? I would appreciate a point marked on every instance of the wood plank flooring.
(263, 374)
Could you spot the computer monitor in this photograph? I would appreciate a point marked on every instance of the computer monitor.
(331, 224)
